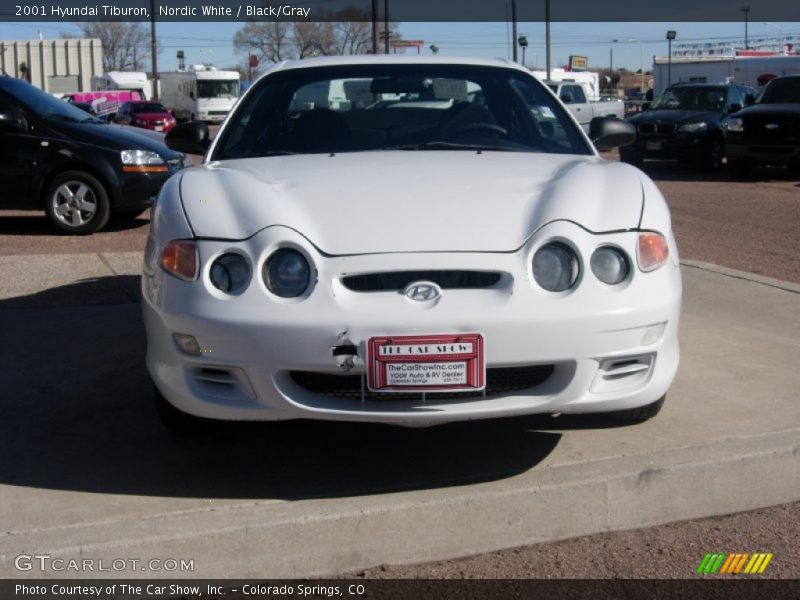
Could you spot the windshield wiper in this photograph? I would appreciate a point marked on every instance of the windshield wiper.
(456, 146)
(275, 153)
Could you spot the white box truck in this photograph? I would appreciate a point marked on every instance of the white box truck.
(117, 81)
(201, 93)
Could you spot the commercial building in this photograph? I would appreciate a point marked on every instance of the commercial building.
(56, 66)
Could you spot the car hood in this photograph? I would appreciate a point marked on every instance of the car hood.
(152, 116)
(770, 109)
(412, 201)
(115, 137)
(678, 117)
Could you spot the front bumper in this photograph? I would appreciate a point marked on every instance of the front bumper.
(254, 342)
(763, 152)
(680, 146)
(139, 190)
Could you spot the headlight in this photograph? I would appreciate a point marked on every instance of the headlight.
(142, 161)
(652, 251)
(693, 127)
(179, 259)
(230, 273)
(555, 267)
(735, 124)
(610, 265)
(287, 273)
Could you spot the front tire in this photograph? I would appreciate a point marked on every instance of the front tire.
(740, 168)
(713, 160)
(77, 203)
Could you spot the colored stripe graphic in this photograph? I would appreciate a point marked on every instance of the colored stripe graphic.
(733, 564)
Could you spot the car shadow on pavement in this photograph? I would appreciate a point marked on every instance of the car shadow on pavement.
(76, 413)
(36, 224)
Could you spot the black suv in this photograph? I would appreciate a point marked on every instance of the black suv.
(685, 124)
(767, 131)
(57, 158)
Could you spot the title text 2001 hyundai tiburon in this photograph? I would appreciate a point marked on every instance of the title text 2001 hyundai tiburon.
(408, 241)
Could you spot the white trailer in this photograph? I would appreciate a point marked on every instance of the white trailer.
(201, 93)
(747, 70)
(589, 80)
(114, 81)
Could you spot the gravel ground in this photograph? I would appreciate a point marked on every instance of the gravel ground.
(666, 551)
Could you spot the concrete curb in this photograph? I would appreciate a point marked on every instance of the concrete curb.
(745, 275)
(273, 540)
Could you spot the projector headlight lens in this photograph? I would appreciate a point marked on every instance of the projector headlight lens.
(555, 267)
(610, 265)
(287, 273)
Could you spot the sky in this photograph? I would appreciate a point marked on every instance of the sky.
(637, 43)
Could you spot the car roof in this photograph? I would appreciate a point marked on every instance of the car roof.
(393, 59)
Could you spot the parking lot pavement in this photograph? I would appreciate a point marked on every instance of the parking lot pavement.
(88, 471)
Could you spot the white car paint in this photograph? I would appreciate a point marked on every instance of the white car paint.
(445, 210)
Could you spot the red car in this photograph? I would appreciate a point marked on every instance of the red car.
(148, 115)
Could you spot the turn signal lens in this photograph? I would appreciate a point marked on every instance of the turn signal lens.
(652, 252)
(179, 259)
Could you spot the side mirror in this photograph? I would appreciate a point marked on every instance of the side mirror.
(610, 132)
(189, 138)
(734, 108)
(10, 122)
(749, 99)
(566, 98)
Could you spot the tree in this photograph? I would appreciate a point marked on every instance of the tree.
(278, 41)
(126, 46)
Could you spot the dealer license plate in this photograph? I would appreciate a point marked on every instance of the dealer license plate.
(159, 128)
(652, 146)
(426, 363)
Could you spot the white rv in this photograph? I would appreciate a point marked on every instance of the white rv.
(201, 93)
(114, 81)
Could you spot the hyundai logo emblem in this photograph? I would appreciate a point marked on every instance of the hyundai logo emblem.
(771, 126)
(422, 291)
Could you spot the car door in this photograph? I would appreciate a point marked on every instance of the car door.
(15, 156)
(575, 100)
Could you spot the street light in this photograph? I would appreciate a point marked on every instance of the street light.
(611, 57)
(671, 34)
(523, 43)
(746, 11)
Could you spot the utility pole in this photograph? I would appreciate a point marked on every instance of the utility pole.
(671, 35)
(153, 49)
(746, 11)
(374, 26)
(514, 30)
(386, 26)
(547, 34)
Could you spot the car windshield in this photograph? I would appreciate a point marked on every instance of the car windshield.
(148, 107)
(217, 88)
(691, 98)
(781, 91)
(358, 108)
(48, 107)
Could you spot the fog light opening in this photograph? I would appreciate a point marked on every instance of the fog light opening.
(188, 344)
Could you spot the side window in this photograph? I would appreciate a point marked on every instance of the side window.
(577, 94)
(735, 96)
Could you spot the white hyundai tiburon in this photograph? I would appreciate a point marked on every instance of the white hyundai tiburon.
(409, 241)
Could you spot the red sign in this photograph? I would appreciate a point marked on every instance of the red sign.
(426, 363)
